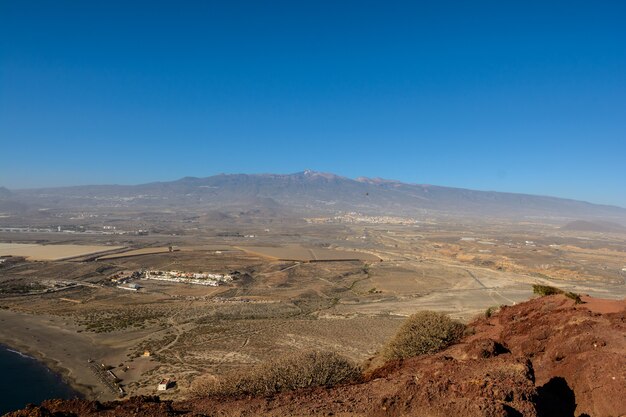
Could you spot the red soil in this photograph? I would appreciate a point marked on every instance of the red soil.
(545, 357)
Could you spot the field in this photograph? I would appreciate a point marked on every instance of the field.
(134, 252)
(304, 254)
(36, 252)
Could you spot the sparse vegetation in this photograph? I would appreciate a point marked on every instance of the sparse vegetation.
(153, 345)
(491, 310)
(544, 290)
(300, 370)
(574, 296)
(248, 311)
(425, 332)
(16, 287)
(100, 321)
(350, 307)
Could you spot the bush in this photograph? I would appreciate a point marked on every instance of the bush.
(300, 370)
(574, 296)
(547, 290)
(426, 332)
(491, 311)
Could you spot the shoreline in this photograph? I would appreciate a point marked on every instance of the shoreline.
(62, 351)
(49, 365)
(84, 392)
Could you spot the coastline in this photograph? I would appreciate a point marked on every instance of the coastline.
(28, 381)
(57, 348)
(56, 367)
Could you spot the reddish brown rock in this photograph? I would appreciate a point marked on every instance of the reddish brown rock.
(547, 357)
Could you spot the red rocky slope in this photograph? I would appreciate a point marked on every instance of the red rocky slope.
(544, 357)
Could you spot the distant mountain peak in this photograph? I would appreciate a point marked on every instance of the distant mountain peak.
(4, 192)
(314, 191)
(309, 173)
(377, 181)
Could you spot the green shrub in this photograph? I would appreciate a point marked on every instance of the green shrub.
(300, 370)
(547, 290)
(491, 310)
(426, 332)
(574, 296)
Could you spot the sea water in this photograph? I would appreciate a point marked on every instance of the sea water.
(24, 380)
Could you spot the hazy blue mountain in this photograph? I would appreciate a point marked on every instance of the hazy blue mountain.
(594, 226)
(4, 192)
(311, 191)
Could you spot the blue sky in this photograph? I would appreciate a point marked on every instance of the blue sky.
(512, 96)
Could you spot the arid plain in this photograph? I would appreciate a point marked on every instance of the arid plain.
(322, 283)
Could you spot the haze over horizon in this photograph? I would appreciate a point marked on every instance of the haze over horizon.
(310, 184)
(525, 99)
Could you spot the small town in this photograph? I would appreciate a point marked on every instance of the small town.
(124, 279)
(198, 278)
(354, 217)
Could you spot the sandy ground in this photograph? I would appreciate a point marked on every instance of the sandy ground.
(35, 252)
(56, 343)
(461, 291)
(301, 253)
(135, 252)
(445, 274)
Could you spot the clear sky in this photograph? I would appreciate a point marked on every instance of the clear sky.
(522, 96)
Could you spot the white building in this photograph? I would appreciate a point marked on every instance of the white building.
(130, 287)
(165, 384)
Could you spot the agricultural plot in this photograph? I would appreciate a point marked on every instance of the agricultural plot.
(303, 254)
(36, 252)
(135, 252)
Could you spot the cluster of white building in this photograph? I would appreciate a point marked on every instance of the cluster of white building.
(198, 278)
(354, 217)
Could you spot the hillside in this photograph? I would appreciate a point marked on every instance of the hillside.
(595, 226)
(309, 192)
(545, 357)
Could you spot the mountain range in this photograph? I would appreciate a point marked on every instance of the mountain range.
(310, 192)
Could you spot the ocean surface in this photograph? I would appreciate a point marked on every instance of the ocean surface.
(23, 380)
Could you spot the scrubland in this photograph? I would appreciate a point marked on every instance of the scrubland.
(277, 306)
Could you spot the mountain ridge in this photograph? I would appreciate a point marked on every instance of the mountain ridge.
(318, 191)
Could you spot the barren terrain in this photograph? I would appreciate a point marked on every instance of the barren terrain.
(36, 252)
(547, 357)
(332, 286)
